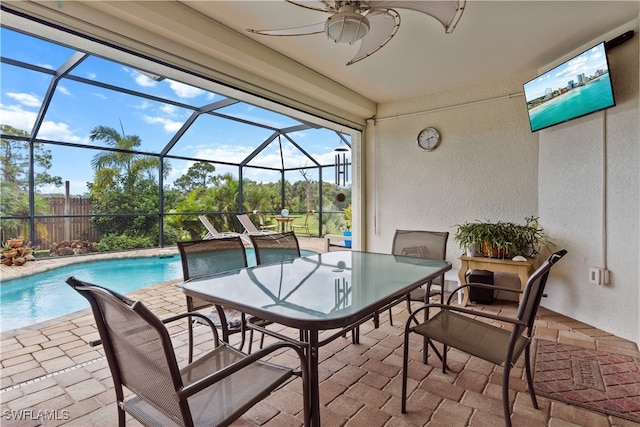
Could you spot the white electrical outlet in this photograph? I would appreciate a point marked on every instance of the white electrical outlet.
(598, 276)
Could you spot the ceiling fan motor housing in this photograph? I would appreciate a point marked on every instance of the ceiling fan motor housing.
(346, 26)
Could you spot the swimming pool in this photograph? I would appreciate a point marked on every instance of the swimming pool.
(44, 296)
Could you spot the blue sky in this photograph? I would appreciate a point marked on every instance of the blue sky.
(587, 62)
(76, 108)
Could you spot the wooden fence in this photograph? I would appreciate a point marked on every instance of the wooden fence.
(55, 230)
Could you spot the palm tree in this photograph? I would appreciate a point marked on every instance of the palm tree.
(114, 159)
(125, 159)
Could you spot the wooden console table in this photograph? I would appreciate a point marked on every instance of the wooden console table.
(523, 269)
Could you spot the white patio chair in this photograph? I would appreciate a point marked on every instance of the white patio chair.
(249, 226)
(212, 233)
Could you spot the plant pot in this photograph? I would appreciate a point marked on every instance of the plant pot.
(347, 243)
(25, 251)
(492, 251)
(472, 250)
(16, 243)
(7, 261)
(19, 261)
(10, 254)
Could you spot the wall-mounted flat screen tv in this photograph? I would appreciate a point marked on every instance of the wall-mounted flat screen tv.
(575, 88)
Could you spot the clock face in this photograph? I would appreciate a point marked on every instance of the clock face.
(428, 139)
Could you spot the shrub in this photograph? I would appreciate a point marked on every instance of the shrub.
(118, 242)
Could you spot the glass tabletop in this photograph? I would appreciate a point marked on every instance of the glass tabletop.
(318, 291)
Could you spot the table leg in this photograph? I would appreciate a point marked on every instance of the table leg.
(314, 382)
(461, 276)
(524, 277)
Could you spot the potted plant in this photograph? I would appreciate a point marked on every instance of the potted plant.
(8, 251)
(19, 260)
(16, 242)
(503, 239)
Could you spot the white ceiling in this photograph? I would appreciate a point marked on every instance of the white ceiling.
(493, 39)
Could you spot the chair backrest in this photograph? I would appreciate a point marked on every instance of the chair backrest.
(246, 222)
(421, 244)
(534, 290)
(275, 247)
(210, 256)
(260, 219)
(207, 224)
(138, 348)
(306, 218)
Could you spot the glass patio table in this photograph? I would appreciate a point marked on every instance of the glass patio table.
(321, 292)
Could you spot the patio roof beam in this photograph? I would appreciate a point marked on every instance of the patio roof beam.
(31, 67)
(259, 149)
(64, 69)
(295, 144)
(130, 92)
(187, 124)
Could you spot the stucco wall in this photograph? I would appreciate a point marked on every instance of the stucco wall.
(490, 166)
(589, 191)
(486, 166)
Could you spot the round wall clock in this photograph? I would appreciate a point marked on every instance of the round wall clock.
(428, 139)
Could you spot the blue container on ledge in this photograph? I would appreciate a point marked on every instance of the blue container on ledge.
(347, 243)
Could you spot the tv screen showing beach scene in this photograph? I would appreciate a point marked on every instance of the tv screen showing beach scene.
(575, 88)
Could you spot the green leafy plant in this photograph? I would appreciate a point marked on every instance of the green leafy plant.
(503, 239)
(347, 217)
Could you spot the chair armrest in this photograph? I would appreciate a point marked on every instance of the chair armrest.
(214, 377)
(483, 286)
(477, 313)
(201, 316)
(98, 342)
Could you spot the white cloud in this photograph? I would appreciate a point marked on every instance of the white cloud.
(14, 115)
(64, 90)
(169, 126)
(170, 110)
(59, 132)
(100, 95)
(140, 78)
(143, 80)
(28, 99)
(184, 91)
(76, 188)
(92, 76)
(143, 105)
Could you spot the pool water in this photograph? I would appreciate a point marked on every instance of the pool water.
(44, 296)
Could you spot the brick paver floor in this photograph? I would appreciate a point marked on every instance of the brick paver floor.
(51, 376)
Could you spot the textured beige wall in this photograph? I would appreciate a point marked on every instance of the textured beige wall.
(490, 166)
(582, 163)
(486, 166)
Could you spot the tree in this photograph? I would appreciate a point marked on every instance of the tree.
(14, 160)
(125, 183)
(14, 181)
(307, 188)
(199, 175)
(123, 163)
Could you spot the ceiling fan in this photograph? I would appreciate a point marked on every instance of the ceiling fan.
(374, 22)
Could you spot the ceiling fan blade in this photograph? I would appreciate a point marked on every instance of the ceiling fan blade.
(448, 13)
(303, 30)
(384, 25)
(318, 5)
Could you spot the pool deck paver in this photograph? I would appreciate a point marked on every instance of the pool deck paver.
(51, 376)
